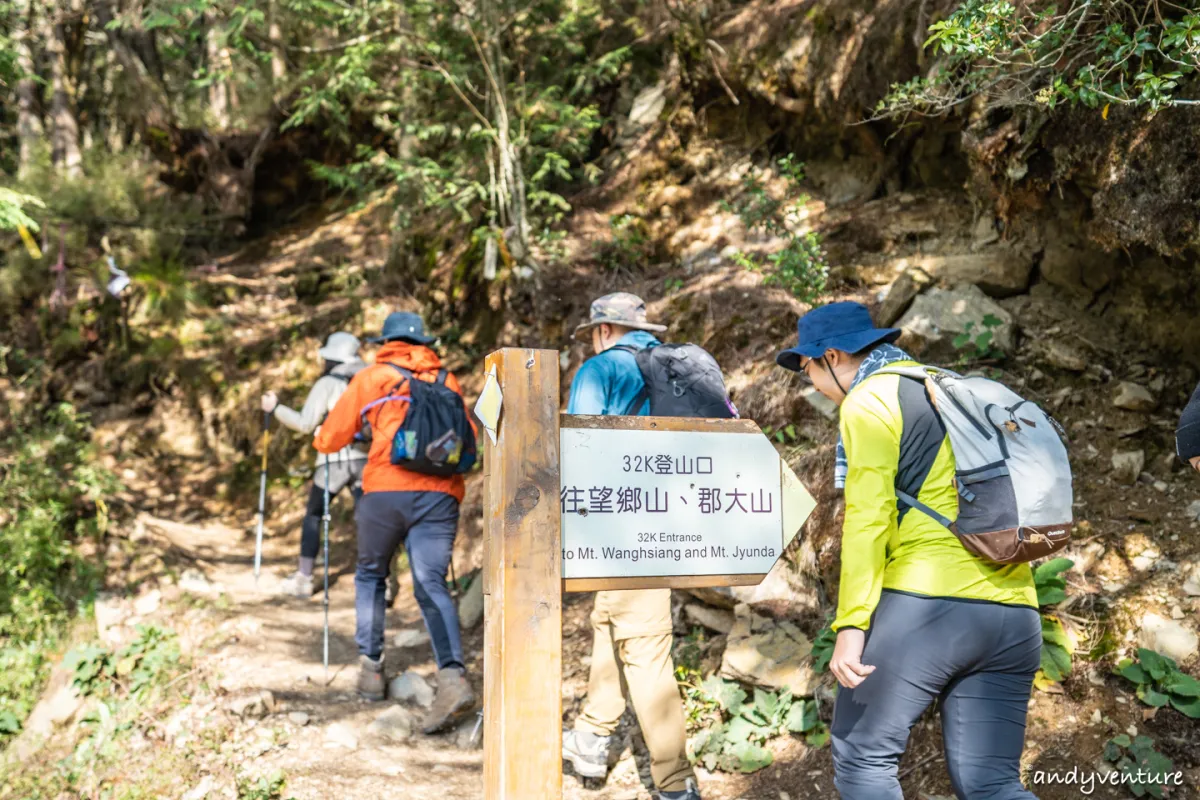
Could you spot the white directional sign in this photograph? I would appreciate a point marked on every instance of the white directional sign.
(652, 502)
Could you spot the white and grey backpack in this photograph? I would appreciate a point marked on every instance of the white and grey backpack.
(1011, 468)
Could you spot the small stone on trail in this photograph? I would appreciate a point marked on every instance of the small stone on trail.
(1169, 637)
(193, 580)
(1160, 486)
(1176, 612)
(1133, 397)
(470, 606)
(396, 724)
(1063, 356)
(1193, 510)
(715, 619)
(820, 402)
(441, 768)
(148, 603)
(340, 734)
(411, 637)
(201, 790)
(298, 718)
(252, 705)
(1127, 465)
(411, 688)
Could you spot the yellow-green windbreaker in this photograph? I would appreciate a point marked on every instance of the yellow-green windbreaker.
(893, 438)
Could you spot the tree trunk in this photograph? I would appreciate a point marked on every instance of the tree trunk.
(64, 131)
(275, 34)
(218, 89)
(29, 120)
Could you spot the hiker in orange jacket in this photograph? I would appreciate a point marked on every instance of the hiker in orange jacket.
(400, 506)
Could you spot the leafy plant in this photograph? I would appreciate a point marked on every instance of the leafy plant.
(978, 345)
(51, 499)
(1051, 586)
(142, 663)
(1160, 682)
(822, 648)
(12, 209)
(735, 743)
(782, 435)
(266, 787)
(1143, 769)
(799, 266)
(630, 246)
(1094, 53)
(1057, 650)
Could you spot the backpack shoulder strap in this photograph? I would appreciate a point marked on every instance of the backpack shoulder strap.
(441, 377)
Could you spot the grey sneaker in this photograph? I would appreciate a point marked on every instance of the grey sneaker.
(297, 585)
(454, 699)
(372, 685)
(692, 792)
(586, 752)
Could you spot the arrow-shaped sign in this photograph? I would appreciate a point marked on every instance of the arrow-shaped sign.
(663, 501)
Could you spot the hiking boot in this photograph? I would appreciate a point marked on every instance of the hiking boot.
(692, 792)
(371, 682)
(453, 700)
(297, 585)
(587, 753)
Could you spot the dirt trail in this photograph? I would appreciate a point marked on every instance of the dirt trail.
(248, 639)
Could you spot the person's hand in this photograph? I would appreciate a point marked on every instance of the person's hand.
(1195, 462)
(846, 663)
(269, 401)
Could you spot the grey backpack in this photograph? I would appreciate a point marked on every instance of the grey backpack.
(1011, 468)
(681, 380)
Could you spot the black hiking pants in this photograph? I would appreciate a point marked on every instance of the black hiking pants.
(977, 659)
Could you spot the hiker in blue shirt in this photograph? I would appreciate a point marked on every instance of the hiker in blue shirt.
(609, 382)
(631, 629)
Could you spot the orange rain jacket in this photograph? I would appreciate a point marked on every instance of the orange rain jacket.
(372, 383)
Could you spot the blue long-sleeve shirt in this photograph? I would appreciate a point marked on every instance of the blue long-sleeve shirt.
(607, 383)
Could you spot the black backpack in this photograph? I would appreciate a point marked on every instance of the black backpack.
(435, 437)
(682, 380)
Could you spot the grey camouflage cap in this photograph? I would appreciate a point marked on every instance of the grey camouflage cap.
(619, 308)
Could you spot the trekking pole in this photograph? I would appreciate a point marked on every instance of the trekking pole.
(325, 517)
(262, 496)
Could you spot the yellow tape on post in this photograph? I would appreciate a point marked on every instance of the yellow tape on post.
(31, 244)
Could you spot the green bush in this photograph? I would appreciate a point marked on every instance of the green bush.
(51, 499)
(1139, 764)
(130, 671)
(734, 741)
(1057, 648)
(1094, 53)
(1160, 682)
(799, 266)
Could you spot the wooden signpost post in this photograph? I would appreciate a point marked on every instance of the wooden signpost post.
(575, 503)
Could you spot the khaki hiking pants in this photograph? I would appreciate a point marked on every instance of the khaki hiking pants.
(631, 655)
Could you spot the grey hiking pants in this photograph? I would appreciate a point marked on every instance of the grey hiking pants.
(976, 659)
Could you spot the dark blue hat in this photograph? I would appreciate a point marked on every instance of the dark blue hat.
(843, 326)
(404, 326)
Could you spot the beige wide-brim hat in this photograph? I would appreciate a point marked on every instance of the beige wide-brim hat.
(619, 308)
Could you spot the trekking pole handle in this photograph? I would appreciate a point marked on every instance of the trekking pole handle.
(266, 437)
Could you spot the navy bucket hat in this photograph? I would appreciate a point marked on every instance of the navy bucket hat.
(844, 326)
(404, 326)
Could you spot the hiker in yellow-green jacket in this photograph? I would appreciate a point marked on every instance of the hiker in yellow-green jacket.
(920, 619)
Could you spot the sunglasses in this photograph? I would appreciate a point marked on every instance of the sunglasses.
(803, 371)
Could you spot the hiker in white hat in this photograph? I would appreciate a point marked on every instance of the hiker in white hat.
(342, 362)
